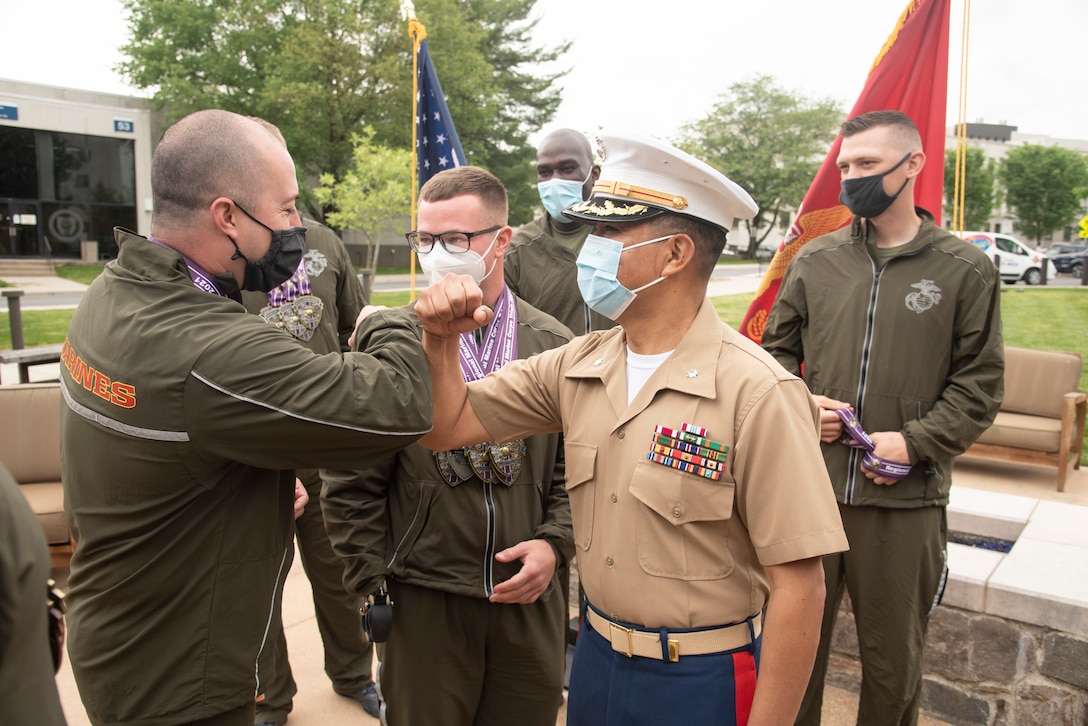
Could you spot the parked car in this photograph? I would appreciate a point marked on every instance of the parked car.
(1018, 261)
(1068, 258)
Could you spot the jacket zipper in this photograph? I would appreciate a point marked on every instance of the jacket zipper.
(866, 349)
(408, 529)
(489, 552)
(870, 318)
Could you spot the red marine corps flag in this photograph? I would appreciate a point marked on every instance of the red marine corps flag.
(910, 74)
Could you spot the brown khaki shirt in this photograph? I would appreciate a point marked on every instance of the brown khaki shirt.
(657, 546)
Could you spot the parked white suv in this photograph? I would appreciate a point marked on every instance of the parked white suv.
(1018, 261)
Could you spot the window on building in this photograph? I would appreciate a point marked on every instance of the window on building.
(18, 164)
(81, 186)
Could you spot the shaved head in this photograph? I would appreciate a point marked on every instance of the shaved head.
(568, 142)
(206, 155)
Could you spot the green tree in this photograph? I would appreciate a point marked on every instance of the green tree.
(770, 141)
(1045, 187)
(372, 196)
(322, 69)
(978, 189)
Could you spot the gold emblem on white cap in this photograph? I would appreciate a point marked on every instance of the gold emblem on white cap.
(608, 209)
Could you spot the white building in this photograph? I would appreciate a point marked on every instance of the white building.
(996, 140)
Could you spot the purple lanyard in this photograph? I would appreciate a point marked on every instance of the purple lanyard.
(296, 286)
(498, 346)
(197, 274)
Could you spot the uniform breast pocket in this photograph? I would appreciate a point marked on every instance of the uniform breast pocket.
(683, 527)
(581, 461)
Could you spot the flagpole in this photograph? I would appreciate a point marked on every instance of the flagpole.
(417, 32)
(959, 195)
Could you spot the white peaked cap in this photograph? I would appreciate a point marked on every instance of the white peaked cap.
(642, 178)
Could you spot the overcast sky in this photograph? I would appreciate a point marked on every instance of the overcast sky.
(654, 66)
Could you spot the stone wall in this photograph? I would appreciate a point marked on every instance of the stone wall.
(985, 670)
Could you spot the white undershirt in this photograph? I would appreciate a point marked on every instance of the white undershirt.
(639, 369)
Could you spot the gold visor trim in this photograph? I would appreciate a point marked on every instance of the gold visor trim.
(645, 194)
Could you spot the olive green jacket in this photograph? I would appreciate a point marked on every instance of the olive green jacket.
(543, 273)
(914, 346)
(183, 419)
(401, 519)
(28, 689)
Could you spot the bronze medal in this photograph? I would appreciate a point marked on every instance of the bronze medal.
(271, 316)
(507, 460)
(453, 466)
(479, 456)
(292, 323)
(309, 309)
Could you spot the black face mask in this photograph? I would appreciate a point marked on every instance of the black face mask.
(866, 197)
(279, 263)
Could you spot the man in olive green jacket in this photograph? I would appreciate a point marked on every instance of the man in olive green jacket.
(183, 421)
(540, 265)
(467, 541)
(899, 321)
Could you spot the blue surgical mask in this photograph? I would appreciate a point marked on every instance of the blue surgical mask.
(598, 266)
(558, 194)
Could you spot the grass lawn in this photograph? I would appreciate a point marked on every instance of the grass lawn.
(1039, 318)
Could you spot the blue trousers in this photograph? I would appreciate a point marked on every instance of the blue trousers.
(609, 689)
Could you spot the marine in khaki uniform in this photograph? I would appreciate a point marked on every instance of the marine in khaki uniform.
(697, 491)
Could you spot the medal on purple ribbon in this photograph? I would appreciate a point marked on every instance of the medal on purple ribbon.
(271, 316)
(507, 459)
(308, 308)
(479, 456)
(453, 466)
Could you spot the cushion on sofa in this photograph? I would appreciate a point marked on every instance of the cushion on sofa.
(30, 431)
(1037, 380)
(47, 501)
(1038, 433)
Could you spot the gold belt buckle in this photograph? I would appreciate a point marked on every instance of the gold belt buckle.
(613, 628)
(674, 651)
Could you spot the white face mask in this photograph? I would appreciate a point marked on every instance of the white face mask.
(439, 262)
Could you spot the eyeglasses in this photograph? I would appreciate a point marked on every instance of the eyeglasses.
(454, 242)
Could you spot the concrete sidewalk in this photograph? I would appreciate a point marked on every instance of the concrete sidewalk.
(43, 284)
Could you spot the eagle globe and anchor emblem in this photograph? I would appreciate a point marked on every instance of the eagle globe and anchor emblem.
(928, 296)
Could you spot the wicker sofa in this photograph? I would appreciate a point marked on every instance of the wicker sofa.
(30, 450)
(1041, 420)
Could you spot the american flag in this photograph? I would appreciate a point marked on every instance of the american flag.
(437, 145)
